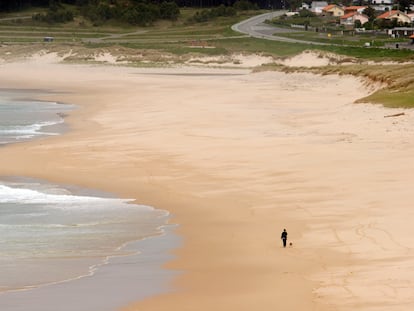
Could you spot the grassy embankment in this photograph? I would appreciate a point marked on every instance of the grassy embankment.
(209, 38)
(397, 78)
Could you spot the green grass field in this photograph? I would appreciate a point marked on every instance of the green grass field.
(180, 38)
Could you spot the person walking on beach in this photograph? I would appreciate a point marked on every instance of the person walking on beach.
(284, 237)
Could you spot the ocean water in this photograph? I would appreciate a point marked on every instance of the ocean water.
(48, 234)
(22, 119)
(60, 244)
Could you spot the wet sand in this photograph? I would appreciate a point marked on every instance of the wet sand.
(235, 159)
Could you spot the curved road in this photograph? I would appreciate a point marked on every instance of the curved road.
(255, 27)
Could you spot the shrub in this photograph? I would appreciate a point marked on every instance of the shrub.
(54, 15)
(206, 15)
(306, 13)
(141, 14)
(245, 5)
(169, 10)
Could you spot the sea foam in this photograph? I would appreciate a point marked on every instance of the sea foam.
(44, 226)
(27, 119)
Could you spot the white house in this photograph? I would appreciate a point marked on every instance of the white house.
(317, 6)
(382, 5)
(385, 2)
(352, 17)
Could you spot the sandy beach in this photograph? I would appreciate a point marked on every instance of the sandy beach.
(236, 157)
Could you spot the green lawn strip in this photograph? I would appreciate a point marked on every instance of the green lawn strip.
(325, 23)
(392, 99)
(60, 30)
(185, 32)
(277, 48)
(376, 54)
(17, 40)
(202, 40)
(174, 48)
(259, 46)
(338, 39)
(194, 40)
(50, 34)
(178, 35)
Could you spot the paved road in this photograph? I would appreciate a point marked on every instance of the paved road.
(255, 27)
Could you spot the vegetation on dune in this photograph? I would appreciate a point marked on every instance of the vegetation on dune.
(176, 33)
(392, 99)
(397, 80)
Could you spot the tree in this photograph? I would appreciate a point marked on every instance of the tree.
(169, 10)
(370, 12)
(244, 5)
(306, 13)
(293, 4)
(142, 14)
(404, 5)
(385, 23)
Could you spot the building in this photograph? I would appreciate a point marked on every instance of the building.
(396, 14)
(399, 32)
(385, 2)
(382, 5)
(355, 8)
(352, 17)
(333, 10)
(317, 6)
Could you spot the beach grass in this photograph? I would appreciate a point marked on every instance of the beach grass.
(396, 80)
(392, 99)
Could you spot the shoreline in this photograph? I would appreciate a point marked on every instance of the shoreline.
(129, 249)
(234, 167)
(48, 121)
(82, 292)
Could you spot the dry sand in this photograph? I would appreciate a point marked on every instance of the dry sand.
(237, 157)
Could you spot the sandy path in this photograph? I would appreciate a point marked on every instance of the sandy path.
(236, 158)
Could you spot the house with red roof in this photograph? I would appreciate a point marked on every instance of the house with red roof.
(352, 17)
(396, 14)
(355, 8)
(333, 10)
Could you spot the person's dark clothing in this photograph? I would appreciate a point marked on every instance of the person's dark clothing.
(284, 237)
